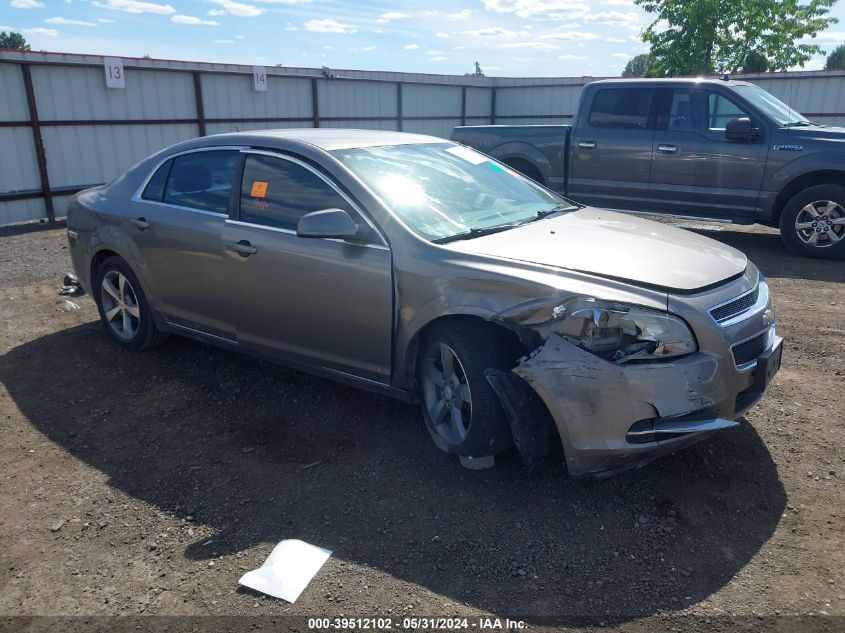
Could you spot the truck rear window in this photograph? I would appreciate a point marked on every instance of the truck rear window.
(626, 108)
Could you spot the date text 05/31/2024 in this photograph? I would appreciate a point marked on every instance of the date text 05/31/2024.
(411, 624)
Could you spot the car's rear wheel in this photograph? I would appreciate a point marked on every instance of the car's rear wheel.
(813, 222)
(123, 307)
(461, 411)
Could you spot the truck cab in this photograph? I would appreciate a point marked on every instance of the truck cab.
(707, 148)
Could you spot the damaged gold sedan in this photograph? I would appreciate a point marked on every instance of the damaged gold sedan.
(427, 271)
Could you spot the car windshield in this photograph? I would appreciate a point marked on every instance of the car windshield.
(772, 106)
(444, 191)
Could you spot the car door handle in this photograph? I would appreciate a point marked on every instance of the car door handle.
(242, 248)
(667, 149)
(587, 144)
(140, 223)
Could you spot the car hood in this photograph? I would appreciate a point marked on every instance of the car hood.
(617, 246)
(821, 134)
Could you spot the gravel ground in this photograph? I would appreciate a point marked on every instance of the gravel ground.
(139, 484)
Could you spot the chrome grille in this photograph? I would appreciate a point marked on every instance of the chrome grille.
(748, 351)
(735, 307)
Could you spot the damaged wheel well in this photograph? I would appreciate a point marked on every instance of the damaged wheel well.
(98, 259)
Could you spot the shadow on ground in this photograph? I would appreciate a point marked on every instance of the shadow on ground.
(260, 453)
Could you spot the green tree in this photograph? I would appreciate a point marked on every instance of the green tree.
(638, 66)
(755, 62)
(836, 60)
(13, 40)
(707, 36)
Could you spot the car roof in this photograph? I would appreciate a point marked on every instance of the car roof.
(674, 80)
(325, 138)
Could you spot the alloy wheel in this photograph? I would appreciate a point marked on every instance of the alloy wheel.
(821, 223)
(446, 393)
(120, 305)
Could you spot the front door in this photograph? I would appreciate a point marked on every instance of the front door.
(695, 170)
(322, 302)
(611, 149)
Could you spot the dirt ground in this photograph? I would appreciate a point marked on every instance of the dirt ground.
(139, 484)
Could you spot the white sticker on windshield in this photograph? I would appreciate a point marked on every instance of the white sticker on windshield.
(467, 154)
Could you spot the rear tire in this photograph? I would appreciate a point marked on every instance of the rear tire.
(124, 311)
(461, 411)
(813, 222)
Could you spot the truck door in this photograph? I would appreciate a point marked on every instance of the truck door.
(612, 148)
(695, 170)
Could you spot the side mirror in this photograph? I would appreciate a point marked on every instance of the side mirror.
(328, 223)
(740, 129)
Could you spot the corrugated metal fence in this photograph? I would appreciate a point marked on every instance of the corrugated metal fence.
(62, 129)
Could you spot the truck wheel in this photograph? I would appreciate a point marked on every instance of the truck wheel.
(461, 411)
(813, 222)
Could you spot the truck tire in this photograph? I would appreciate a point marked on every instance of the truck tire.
(813, 222)
(460, 409)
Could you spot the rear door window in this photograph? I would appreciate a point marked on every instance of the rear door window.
(277, 192)
(202, 180)
(621, 108)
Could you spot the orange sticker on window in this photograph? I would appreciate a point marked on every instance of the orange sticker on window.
(259, 189)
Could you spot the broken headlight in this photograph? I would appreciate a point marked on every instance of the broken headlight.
(619, 332)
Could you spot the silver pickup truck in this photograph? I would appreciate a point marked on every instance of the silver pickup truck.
(706, 148)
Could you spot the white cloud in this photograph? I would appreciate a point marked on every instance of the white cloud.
(69, 22)
(411, 47)
(459, 15)
(368, 48)
(135, 6)
(491, 31)
(571, 36)
(223, 42)
(629, 20)
(439, 58)
(615, 40)
(831, 36)
(105, 21)
(442, 35)
(240, 9)
(216, 12)
(625, 56)
(41, 31)
(328, 25)
(434, 53)
(571, 57)
(26, 4)
(239, 37)
(540, 9)
(384, 18)
(192, 20)
(539, 46)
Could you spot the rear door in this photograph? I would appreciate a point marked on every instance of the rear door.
(322, 302)
(176, 228)
(612, 148)
(695, 170)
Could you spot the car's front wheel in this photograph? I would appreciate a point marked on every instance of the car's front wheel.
(123, 307)
(461, 411)
(813, 222)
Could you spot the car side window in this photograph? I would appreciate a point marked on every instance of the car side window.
(720, 110)
(202, 180)
(621, 108)
(155, 187)
(277, 192)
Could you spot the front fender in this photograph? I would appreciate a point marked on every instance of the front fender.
(803, 165)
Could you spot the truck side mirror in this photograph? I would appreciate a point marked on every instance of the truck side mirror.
(740, 129)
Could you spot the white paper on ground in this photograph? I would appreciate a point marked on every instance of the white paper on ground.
(288, 570)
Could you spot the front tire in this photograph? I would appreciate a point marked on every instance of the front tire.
(124, 311)
(461, 411)
(813, 222)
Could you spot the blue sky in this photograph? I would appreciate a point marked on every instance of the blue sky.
(508, 37)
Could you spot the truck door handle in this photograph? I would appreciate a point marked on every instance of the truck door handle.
(140, 223)
(667, 149)
(587, 144)
(242, 248)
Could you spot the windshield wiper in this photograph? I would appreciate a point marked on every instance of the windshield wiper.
(475, 231)
(547, 212)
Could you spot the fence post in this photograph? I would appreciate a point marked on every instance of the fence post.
(399, 115)
(493, 105)
(463, 105)
(200, 106)
(315, 103)
(40, 154)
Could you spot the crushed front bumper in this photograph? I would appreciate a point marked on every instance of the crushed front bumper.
(611, 417)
